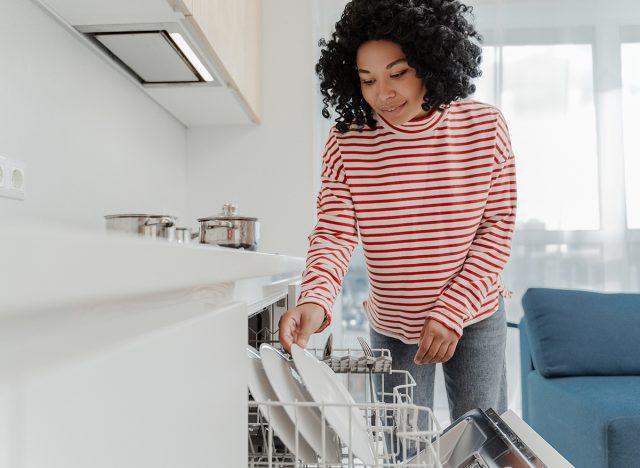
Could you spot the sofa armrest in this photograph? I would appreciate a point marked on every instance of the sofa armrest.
(622, 441)
(526, 367)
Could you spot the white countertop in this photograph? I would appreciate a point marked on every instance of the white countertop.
(108, 338)
(53, 267)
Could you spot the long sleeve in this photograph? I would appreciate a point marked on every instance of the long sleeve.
(463, 297)
(335, 236)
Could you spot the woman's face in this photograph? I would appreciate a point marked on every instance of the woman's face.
(389, 85)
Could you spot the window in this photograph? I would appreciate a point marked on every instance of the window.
(630, 58)
(546, 94)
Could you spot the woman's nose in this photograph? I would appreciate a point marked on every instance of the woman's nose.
(385, 91)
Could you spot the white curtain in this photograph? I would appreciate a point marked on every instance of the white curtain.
(566, 75)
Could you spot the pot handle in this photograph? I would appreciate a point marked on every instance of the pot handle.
(219, 223)
(164, 221)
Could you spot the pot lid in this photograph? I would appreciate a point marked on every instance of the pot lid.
(139, 215)
(229, 212)
(228, 218)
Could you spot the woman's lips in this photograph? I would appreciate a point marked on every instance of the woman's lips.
(391, 110)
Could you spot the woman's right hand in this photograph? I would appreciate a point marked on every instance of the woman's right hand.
(298, 324)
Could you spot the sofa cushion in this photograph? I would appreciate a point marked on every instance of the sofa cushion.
(574, 333)
(591, 421)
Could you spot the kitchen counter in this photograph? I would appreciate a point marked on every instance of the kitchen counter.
(56, 267)
(121, 351)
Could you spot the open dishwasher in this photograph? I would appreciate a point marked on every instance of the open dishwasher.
(381, 431)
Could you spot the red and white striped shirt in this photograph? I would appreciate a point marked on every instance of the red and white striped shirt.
(433, 202)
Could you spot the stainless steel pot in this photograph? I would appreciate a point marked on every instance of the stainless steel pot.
(147, 225)
(230, 230)
(184, 235)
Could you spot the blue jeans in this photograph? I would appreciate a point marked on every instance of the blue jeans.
(475, 377)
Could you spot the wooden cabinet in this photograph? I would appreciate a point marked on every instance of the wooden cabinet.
(234, 30)
(188, 5)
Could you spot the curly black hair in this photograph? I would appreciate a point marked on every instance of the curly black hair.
(434, 35)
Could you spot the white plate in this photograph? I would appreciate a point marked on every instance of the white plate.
(289, 389)
(280, 421)
(324, 386)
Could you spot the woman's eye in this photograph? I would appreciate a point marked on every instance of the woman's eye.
(367, 82)
(399, 74)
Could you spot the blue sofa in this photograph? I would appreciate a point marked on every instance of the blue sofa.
(580, 363)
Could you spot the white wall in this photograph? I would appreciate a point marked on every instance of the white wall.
(94, 143)
(267, 170)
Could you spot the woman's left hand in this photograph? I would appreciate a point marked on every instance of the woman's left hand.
(437, 343)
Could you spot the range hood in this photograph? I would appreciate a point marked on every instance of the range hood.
(158, 46)
(152, 53)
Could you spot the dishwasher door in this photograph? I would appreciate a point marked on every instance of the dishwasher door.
(482, 439)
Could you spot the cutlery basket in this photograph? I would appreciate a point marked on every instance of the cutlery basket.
(353, 362)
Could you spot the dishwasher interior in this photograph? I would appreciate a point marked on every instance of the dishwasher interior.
(479, 439)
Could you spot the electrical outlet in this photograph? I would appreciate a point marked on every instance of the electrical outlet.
(13, 178)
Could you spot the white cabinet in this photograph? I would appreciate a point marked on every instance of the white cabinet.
(224, 35)
(156, 386)
(118, 351)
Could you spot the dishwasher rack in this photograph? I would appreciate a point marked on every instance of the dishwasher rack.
(391, 424)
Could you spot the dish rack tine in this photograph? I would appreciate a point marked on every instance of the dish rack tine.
(365, 347)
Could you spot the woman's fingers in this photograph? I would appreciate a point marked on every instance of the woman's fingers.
(423, 347)
(429, 346)
(289, 325)
(440, 352)
(437, 343)
(435, 347)
(450, 350)
(298, 324)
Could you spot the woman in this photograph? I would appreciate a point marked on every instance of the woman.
(426, 181)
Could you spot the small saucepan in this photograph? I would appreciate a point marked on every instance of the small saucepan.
(230, 230)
